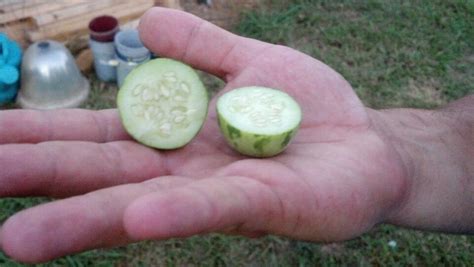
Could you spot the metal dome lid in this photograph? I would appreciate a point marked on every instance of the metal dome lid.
(50, 78)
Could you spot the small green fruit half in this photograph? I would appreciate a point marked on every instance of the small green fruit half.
(258, 121)
(163, 103)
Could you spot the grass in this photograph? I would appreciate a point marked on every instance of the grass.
(394, 53)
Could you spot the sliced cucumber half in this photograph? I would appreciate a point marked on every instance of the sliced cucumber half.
(258, 121)
(163, 103)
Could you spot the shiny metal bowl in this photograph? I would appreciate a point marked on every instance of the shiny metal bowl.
(50, 78)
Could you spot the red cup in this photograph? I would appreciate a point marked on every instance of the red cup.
(103, 28)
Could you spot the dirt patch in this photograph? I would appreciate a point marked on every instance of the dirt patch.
(223, 13)
(426, 90)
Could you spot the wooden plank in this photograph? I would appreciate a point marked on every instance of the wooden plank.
(72, 11)
(11, 5)
(17, 31)
(79, 24)
(5, 3)
(32, 10)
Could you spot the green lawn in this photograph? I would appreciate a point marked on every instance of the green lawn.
(394, 53)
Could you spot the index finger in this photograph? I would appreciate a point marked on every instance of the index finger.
(203, 45)
(35, 126)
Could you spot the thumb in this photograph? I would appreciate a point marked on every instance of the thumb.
(185, 37)
(210, 205)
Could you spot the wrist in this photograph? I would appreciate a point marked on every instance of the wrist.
(436, 149)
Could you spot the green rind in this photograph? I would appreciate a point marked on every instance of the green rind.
(146, 139)
(255, 145)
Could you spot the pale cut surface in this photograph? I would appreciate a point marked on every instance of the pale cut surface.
(258, 121)
(163, 104)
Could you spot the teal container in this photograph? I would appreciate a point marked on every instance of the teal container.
(10, 60)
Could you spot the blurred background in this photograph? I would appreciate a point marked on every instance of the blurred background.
(394, 53)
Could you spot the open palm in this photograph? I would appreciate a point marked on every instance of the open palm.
(335, 181)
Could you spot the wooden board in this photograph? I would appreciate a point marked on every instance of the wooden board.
(30, 10)
(17, 31)
(72, 11)
(12, 5)
(79, 24)
(31, 20)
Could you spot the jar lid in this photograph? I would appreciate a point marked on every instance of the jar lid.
(103, 28)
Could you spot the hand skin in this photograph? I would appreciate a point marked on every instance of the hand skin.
(348, 169)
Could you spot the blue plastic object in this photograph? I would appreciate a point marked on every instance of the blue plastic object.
(10, 60)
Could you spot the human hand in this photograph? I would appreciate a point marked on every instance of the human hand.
(337, 179)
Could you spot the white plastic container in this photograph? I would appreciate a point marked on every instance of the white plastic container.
(104, 56)
(129, 53)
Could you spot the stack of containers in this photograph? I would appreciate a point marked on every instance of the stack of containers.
(115, 52)
(102, 32)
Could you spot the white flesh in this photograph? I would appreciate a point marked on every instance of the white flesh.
(259, 110)
(163, 103)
